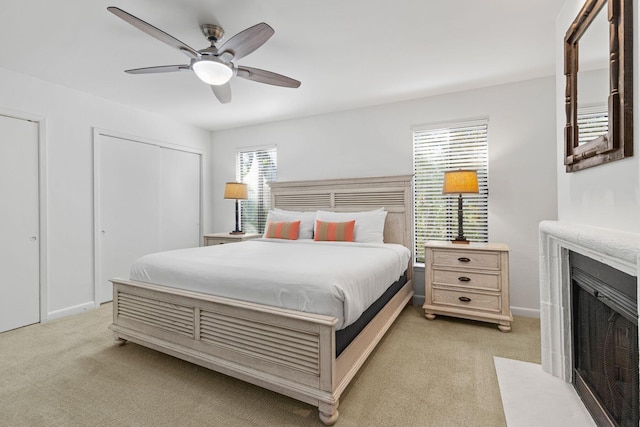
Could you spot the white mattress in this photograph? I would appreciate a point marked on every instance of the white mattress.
(333, 278)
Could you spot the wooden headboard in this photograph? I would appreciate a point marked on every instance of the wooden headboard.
(393, 193)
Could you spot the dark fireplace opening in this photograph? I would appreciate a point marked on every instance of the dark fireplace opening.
(605, 341)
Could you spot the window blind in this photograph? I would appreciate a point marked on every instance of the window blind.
(439, 149)
(256, 168)
(592, 123)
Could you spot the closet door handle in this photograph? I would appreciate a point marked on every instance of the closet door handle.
(464, 279)
(464, 259)
(465, 299)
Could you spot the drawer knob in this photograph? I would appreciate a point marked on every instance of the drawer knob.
(465, 299)
(464, 259)
(464, 279)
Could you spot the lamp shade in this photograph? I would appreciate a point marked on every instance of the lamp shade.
(460, 181)
(235, 190)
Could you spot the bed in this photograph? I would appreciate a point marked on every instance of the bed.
(292, 352)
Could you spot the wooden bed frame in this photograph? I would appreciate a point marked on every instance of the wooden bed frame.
(287, 351)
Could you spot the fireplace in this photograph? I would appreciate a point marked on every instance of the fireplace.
(605, 341)
(615, 249)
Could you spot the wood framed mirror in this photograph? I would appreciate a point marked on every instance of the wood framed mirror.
(615, 141)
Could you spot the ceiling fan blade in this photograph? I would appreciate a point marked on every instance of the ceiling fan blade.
(154, 32)
(247, 41)
(159, 69)
(268, 77)
(222, 92)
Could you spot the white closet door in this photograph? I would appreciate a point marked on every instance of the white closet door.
(19, 222)
(129, 208)
(148, 200)
(179, 199)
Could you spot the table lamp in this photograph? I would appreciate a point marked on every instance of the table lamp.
(458, 182)
(237, 191)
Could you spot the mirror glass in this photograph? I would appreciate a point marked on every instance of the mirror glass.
(593, 79)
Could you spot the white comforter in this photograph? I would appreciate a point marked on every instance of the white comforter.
(332, 278)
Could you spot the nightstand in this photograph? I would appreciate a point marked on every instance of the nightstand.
(220, 238)
(470, 281)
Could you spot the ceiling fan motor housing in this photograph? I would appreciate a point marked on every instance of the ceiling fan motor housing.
(213, 33)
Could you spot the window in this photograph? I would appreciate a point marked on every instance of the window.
(593, 122)
(436, 150)
(256, 168)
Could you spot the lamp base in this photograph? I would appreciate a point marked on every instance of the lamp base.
(460, 241)
(236, 232)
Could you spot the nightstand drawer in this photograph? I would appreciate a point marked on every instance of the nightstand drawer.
(467, 259)
(466, 279)
(476, 301)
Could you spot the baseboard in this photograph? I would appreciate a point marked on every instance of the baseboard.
(69, 311)
(525, 312)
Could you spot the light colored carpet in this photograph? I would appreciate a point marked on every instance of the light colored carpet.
(424, 373)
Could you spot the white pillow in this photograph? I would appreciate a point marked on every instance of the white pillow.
(369, 224)
(307, 220)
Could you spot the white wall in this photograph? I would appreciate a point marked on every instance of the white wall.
(606, 195)
(70, 118)
(378, 141)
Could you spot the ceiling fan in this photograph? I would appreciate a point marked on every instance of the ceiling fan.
(213, 65)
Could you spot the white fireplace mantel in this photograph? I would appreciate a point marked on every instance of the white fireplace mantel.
(616, 248)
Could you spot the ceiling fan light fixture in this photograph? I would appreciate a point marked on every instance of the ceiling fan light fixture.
(211, 70)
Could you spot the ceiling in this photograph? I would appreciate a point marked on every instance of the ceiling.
(347, 54)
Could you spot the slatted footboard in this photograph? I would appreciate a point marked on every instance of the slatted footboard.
(286, 351)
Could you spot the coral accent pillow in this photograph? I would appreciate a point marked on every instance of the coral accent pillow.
(283, 230)
(369, 224)
(307, 220)
(334, 231)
